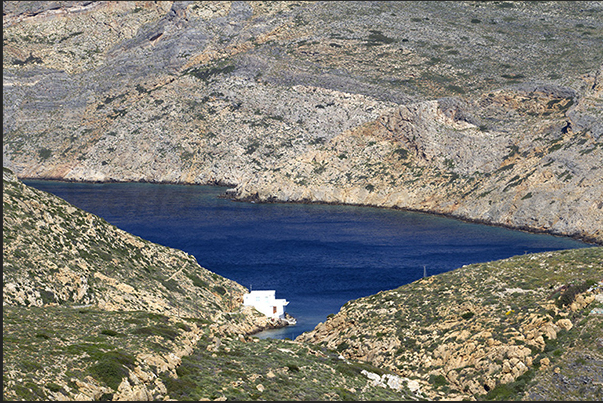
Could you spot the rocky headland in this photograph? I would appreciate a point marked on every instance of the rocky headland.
(525, 328)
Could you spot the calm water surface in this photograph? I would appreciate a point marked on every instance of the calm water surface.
(316, 256)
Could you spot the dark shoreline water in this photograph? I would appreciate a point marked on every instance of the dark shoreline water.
(317, 256)
(226, 186)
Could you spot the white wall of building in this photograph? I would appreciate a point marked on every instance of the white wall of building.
(265, 302)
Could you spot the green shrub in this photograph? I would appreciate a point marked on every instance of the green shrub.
(467, 315)
(511, 391)
(205, 74)
(183, 326)
(47, 296)
(251, 147)
(42, 336)
(157, 317)
(345, 394)
(377, 36)
(112, 367)
(181, 388)
(30, 366)
(401, 153)
(197, 282)
(512, 76)
(501, 392)
(437, 380)
(29, 392)
(44, 153)
(456, 88)
(109, 372)
(293, 368)
(53, 387)
(555, 148)
(569, 295)
(355, 368)
(171, 285)
(141, 89)
(342, 346)
(158, 330)
(505, 168)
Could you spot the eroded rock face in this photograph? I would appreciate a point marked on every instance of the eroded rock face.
(449, 166)
(285, 102)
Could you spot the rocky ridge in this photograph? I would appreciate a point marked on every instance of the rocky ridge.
(57, 254)
(392, 106)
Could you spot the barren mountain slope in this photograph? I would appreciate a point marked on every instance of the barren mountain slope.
(488, 111)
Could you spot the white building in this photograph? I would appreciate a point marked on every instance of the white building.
(265, 302)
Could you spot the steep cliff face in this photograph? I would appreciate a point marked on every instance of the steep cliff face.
(484, 111)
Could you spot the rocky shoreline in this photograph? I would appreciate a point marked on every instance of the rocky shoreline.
(231, 194)
(255, 199)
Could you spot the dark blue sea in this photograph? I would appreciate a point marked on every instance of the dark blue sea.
(315, 256)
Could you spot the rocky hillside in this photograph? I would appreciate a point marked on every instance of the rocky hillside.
(91, 312)
(525, 328)
(139, 356)
(57, 254)
(486, 111)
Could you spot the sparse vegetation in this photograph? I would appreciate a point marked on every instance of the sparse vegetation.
(354, 86)
(44, 153)
(207, 73)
